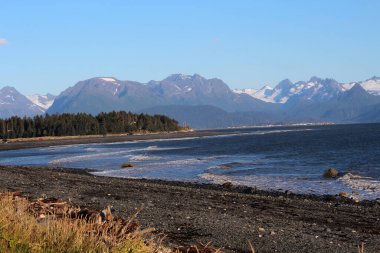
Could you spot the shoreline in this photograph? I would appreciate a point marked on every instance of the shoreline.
(228, 216)
(72, 140)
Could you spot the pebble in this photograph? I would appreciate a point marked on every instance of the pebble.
(261, 229)
(272, 233)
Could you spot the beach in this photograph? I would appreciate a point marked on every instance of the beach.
(72, 140)
(226, 216)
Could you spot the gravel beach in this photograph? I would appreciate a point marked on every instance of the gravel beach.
(226, 216)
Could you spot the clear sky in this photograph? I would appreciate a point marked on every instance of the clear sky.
(47, 46)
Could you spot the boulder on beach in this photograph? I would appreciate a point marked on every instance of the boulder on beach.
(227, 185)
(331, 173)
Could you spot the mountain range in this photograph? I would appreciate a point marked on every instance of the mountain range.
(316, 89)
(209, 103)
(13, 103)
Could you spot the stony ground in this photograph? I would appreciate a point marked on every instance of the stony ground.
(227, 216)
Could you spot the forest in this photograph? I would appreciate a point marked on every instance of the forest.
(84, 124)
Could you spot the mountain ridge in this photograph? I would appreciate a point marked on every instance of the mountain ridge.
(316, 88)
(209, 103)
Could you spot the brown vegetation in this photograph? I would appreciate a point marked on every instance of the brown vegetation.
(52, 225)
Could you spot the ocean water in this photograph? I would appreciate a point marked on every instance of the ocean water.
(271, 158)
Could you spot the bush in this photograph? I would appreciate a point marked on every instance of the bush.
(21, 231)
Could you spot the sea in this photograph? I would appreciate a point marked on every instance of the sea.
(286, 158)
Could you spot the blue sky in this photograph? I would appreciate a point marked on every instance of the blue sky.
(47, 46)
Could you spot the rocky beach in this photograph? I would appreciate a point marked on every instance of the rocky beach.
(227, 216)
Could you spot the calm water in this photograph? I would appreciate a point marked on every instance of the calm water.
(278, 158)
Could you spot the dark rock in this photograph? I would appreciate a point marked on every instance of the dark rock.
(331, 173)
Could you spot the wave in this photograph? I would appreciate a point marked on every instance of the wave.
(143, 158)
(86, 157)
(150, 140)
(258, 133)
(94, 149)
(360, 183)
(357, 187)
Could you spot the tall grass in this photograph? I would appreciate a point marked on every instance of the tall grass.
(21, 232)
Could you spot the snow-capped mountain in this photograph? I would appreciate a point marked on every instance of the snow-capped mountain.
(209, 103)
(43, 101)
(106, 94)
(316, 89)
(372, 85)
(14, 103)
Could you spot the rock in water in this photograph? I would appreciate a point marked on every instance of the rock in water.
(127, 165)
(330, 173)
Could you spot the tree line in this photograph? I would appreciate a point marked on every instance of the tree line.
(68, 124)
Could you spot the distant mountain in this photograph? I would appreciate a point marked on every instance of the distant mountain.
(316, 89)
(345, 107)
(14, 103)
(352, 104)
(207, 116)
(209, 103)
(43, 101)
(372, 85)
(106, 94)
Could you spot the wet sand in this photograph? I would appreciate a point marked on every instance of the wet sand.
(226, 216)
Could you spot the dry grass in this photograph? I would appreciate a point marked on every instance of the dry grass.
(51, 225)
(21, 231)
(361, 248)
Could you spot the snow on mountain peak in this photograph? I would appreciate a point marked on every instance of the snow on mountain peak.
(372, 86)
(43, 101)
(314, 89)
(267, 87)
(246, 91)
(107, 79)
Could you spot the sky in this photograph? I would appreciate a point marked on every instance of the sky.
(47, 46)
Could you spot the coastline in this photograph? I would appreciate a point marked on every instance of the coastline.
(189, 213)
(71, 140)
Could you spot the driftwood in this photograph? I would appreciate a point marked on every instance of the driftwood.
(99, 222)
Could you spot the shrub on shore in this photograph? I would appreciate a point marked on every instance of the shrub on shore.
(21, 231)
